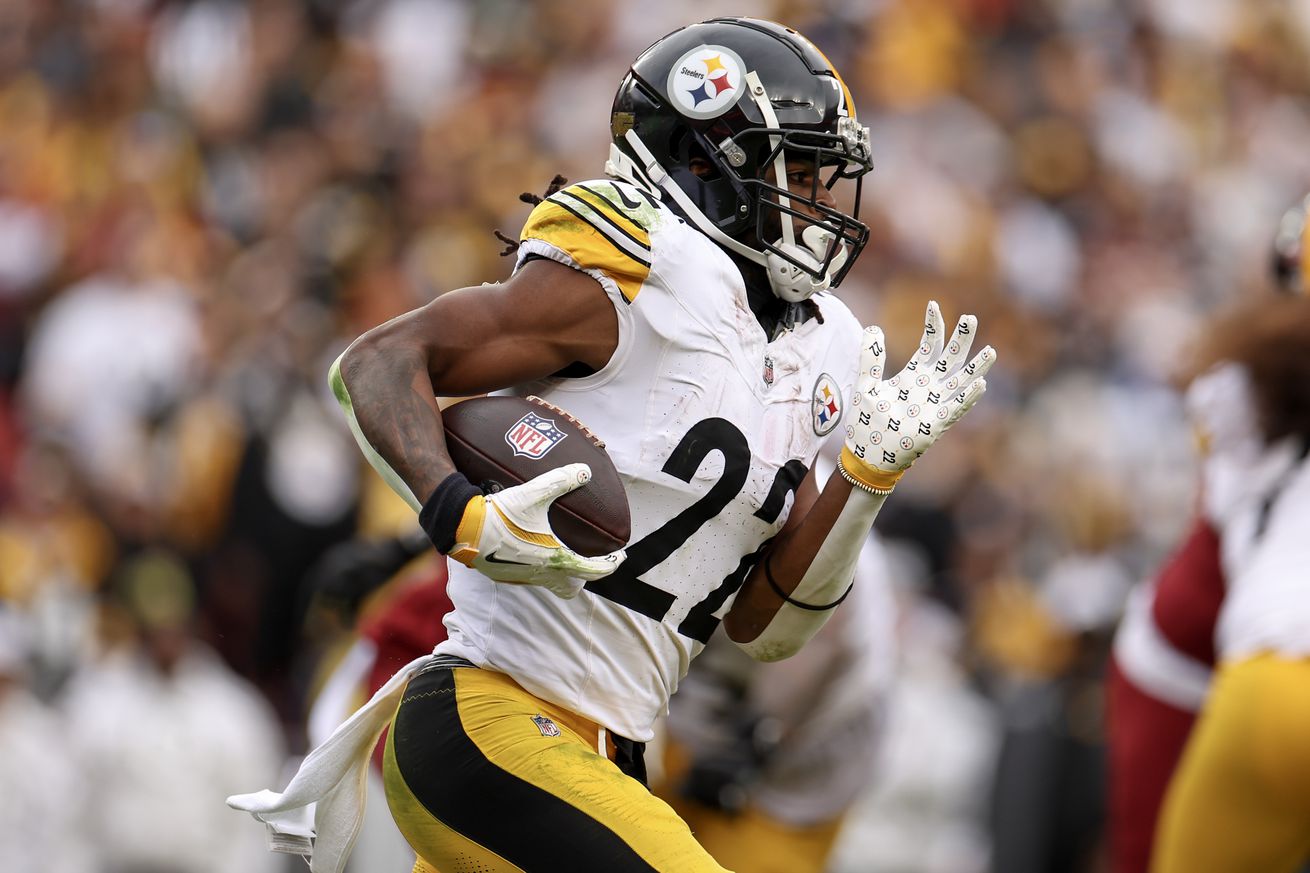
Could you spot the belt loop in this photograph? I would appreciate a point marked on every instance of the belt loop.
(600, 744)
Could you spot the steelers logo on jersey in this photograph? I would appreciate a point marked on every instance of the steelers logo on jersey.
(707, 81)
(826, 404)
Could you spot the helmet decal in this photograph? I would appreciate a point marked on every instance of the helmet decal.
(707, 81)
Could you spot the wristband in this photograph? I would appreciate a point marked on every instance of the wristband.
(768, 575)
(442, 516)
(859, 474)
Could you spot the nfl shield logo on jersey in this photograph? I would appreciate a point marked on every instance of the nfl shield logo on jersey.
(533, 436)
(547, 727)
(826, 406)
(768, 370)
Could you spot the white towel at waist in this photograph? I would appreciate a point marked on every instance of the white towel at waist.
(318, 816)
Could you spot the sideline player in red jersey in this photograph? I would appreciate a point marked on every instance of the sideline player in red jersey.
(1165, 649)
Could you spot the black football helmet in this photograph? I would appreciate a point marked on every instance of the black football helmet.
(1291, 262)
(746, 96)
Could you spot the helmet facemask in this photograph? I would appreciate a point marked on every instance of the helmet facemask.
(830, 240)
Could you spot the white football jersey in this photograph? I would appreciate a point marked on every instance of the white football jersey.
(711, 427)
(1265, 552)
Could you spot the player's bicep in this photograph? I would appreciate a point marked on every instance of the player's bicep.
(545, 318)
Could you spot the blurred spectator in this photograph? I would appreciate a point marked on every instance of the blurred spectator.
(1239, 799)
(925, 811)
(157, 724)
(38, 828)
(765, 760)
(107, 360)
(1048, 802)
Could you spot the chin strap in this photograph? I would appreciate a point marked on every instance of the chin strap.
(791, 282)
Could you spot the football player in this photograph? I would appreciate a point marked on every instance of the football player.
(1240, 799)
(680, 308)
(1165, 648)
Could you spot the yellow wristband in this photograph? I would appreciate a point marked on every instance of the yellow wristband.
(469, 532)
(861, 475)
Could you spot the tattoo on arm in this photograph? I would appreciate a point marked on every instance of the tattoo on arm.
(397, 412)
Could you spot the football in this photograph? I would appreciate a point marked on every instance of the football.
(499, 442)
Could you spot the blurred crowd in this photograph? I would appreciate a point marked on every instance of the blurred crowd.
(202, 202)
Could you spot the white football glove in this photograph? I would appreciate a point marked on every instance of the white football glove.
(894, 422)
(507, 536)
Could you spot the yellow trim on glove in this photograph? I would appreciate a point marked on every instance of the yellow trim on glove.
(861, 475)
(469, 532)
(537, 539)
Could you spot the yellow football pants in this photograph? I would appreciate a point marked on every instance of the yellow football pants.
(1240, 800)
(482, 776)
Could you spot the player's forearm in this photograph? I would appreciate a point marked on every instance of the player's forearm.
(387, 396)
(814, 565)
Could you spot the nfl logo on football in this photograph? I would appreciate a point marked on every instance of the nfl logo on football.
(533, 436)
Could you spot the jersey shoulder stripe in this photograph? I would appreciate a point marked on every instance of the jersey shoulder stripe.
(600, 199)
(600, 227)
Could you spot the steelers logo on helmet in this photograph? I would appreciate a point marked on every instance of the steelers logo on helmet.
(707, 81)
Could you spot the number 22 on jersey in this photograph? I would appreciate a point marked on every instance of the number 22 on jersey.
(626, 587)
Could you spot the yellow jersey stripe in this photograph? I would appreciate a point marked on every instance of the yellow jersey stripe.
(637, 247)
(568, 231)
(598, 200)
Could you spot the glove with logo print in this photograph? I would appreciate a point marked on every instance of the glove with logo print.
(507, 536)
(893, 422)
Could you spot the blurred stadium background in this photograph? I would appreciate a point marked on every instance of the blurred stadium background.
(202, 202)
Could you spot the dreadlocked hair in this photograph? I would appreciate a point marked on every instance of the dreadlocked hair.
(511, 244)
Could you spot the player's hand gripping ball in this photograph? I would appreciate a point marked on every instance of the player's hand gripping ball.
(554, 513)
(895, 421)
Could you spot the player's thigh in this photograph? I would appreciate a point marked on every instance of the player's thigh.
(1241, 798)
(479, 772)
